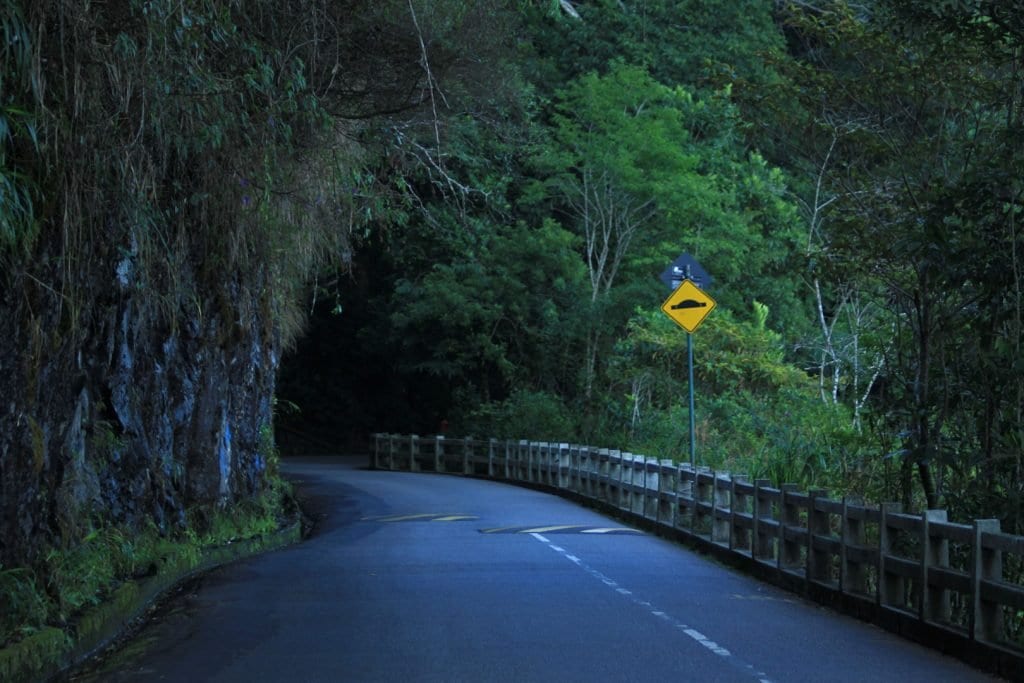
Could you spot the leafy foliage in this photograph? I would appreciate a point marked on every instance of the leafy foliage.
(26, 605)
(755, 412)
(536, 415)
(919, 122)
(18, 134)
(70, 580)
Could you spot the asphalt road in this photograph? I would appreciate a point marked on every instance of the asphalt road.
(421, 577)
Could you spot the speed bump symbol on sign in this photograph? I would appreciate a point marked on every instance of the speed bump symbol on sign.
(688, 305)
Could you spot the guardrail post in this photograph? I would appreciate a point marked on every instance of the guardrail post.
(626, 482)
(720, 501)
(467, 455)
(375, 463)
(392, 438)
(761, 543)
(572, 455)
(688, 489)
(551, 476)
(700, 497)
(637, 482)
(890, 585)
(667, 510)
(652, 499)
(789, 515)
(577, 475)
(986, 622)
(625, 476)
(934, 605)
(588, 472)
(604, 485)
(525, 456)
(491, 443)
(818, 565)
(582, 472)
(739, 536)
(614, 477)
(564, 466)
(439, 453)
(852, 577)
(414, 452)
(522, 459)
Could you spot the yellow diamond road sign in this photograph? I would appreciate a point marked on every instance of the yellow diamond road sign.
(688, 306)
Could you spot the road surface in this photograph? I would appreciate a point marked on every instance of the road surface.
(424, 577)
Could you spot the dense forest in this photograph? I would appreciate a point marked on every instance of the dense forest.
(849, 174)
(220, 218)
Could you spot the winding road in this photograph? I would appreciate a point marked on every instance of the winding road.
(422, 577)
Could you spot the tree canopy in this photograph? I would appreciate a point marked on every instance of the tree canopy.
(478, 198)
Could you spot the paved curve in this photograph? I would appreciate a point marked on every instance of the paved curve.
(399, 583)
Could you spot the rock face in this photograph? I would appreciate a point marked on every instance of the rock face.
(124, 414)
(163, 200)
(171, 177)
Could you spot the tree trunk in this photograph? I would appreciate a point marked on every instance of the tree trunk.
(907, 482)
(924, 471)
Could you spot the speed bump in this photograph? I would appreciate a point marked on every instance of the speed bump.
(422, 517)
(562, 529)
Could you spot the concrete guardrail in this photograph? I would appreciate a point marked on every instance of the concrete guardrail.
(920, 575)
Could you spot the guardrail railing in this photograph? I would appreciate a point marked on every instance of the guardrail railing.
(896, 568)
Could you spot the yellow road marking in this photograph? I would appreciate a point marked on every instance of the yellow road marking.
(401, 518)
(556, 528)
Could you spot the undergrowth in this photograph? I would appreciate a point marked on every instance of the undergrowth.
(66, 582)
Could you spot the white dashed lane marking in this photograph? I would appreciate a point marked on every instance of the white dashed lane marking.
(693, 633)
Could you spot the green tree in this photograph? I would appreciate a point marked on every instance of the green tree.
(755, 412)
(921, 132)
(700, 43)
(486, 320)
(642, 171)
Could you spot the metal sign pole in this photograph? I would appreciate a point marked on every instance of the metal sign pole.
(693, 422)
(687, 306)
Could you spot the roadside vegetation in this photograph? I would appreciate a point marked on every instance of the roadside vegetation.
(68, 581)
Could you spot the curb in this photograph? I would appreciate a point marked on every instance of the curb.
(52, 651)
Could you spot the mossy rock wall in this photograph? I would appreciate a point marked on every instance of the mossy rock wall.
(126, 418)
(151, 267)
(173, 175)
